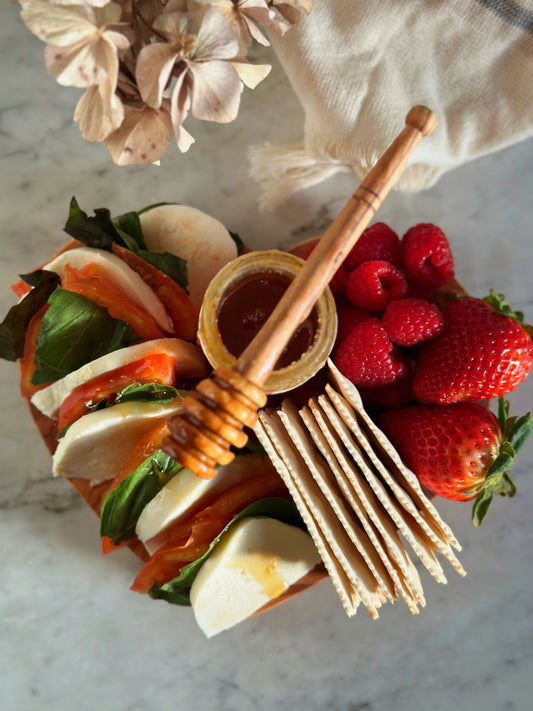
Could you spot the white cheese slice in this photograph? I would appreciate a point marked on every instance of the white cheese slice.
(119, 273)
(96, 445)
(190, 363)
(256, 561)
(192, 235)
(185, 491)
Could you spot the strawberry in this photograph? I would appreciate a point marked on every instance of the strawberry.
(367, 357)
(459, 451)
(483, 351)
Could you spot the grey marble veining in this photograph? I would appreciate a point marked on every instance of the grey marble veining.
(72, 636)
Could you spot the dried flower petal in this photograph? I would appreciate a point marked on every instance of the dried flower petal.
(97, 115)
(216, 91)
(251, 74)
(143, 136)
(154, 67)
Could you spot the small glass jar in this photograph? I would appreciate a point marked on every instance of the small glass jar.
(262, 264)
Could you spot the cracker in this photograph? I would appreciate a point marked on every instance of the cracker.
(424, 553)
(379, 527)
(348, 415)
(345, 590)
(328, 489)
(392, 459)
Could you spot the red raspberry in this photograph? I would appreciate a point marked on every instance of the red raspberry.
(411, 321)
(338, 281)
(373, 285)
(347, 318)
(427, 257)
(367, 357)
(377, 242)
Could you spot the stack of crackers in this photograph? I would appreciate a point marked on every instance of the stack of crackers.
(364, 509)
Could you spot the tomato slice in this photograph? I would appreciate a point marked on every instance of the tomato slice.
(177, 303)
(88, 282)
(27, 362)
(188, 540)
(155, 368)
(21, 288)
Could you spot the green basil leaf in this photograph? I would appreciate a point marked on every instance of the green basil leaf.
(177, 591)
(14, 326)
(122, 506)
(238, 242)
(97, 232)
(130, 224)
(75, 331)
(149, 392)
(173, 266)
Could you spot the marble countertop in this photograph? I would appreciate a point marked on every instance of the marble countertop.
(72, 636)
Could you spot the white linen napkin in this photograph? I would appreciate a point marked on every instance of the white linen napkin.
(357, 66)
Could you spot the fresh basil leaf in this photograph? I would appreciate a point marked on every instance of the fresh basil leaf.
(238, 242)
(122, 506)
(173, 266)
(149, 392)
(177, 591)
(75, 331)
(147, 208)
(97, 232)
(32, 278)
(14, 326)
(130, 224)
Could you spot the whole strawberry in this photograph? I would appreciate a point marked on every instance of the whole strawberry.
(483, 351)
(459, 451)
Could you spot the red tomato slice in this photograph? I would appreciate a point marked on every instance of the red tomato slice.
(178, 305)
(155, 368)
(88, 282)
(188, 540)
(27, 362)
(21, 288)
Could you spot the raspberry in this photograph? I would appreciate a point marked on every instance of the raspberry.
(377, 242)
(373, 285)
(348, 317)
(427, 257)
(338, 280)
(367, 357)
(411, 321)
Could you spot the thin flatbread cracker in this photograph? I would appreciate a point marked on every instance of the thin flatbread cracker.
(381, 533)
(328, 486)
(350, 392)
(353, 447)
(344, 552)
(358, 492)
(349, 417)
(348, 596)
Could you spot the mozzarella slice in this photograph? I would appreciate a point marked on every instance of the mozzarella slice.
(190, 363)
(185, 492)
(118, 272)
(96, 445)
(192, 235)
(256, 561)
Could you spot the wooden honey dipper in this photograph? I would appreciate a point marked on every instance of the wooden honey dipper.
(214, 414)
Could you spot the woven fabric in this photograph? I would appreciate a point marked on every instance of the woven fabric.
(357, 66)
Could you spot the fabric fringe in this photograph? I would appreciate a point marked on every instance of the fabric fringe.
(282, 170)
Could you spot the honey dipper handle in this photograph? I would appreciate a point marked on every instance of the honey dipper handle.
(259, 358)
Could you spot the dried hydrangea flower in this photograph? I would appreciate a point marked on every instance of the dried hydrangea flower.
(201, 54)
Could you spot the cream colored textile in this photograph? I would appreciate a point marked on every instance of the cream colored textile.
(357, 66)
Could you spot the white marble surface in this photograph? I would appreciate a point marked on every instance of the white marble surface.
(72, 636)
